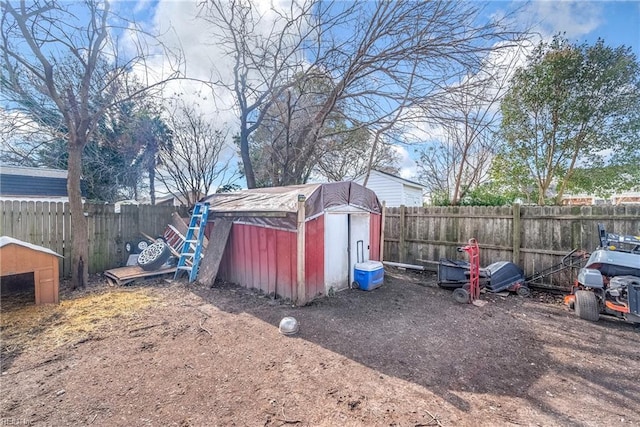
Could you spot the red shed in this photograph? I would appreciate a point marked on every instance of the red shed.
(299, 241)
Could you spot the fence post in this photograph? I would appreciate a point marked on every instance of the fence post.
(301, 293)
(382, 220)
(403, 227)
(516, 233)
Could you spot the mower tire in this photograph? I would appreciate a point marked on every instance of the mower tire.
(154, 256)
(586, 306)
(461, 296)
(523, 291)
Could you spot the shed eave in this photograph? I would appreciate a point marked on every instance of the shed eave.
(247, 214)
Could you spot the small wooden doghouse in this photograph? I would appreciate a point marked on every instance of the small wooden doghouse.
(18, 257)
(298, 242)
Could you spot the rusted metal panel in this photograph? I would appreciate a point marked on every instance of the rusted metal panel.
(314, 257)
(286, 263)
(260, 258)
(375, 222)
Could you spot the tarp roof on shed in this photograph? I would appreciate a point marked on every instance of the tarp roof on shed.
(278, 206)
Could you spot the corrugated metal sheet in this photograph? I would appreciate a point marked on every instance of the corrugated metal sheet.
(265, 259)
(314, 257)
(260, 258)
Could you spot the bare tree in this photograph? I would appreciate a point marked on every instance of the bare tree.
(353, 154)
(63, 70)
(276, 154)
(20, 139)
(268, 49)
(468, 120)
(400, 55)
(383, 58)
(197, 158)
(280, 157)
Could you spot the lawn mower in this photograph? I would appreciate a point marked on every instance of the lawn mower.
(609, 283)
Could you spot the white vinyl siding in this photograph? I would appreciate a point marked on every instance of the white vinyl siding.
(387, 190)
(393, 191)
(412, 196)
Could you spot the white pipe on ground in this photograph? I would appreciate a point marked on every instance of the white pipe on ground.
(402, 265)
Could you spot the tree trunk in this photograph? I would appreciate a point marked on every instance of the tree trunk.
(541, 193)
(374, 147)
(152, 182)
(79, 233)
(244, 153)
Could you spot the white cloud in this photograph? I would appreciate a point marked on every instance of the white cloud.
(141, 5)
(407, 165)
(575, 18)
(206, 56)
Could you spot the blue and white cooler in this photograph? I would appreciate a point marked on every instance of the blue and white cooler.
(368, 275)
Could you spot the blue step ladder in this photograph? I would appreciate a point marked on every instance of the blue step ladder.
(191, 254)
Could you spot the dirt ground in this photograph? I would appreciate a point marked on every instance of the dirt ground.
(402, 355)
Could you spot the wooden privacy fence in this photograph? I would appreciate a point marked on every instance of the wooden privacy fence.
(48, 224)
(534, 237)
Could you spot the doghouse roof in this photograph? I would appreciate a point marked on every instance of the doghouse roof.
(278, 206)
(5, 240)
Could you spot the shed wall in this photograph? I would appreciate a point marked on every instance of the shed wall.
(261, 258)
(314, 257)
(265, 258)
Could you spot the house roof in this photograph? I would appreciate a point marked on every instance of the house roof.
(25, 171)
(21, 181)
(278, 206)
(6, 240)
(396, 178)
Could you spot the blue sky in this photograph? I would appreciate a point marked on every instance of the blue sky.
(621, 24)
(617, 22)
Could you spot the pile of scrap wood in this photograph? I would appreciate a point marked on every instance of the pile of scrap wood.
(157, 259)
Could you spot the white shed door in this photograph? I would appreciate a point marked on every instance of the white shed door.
(359, 240)
(336, 255)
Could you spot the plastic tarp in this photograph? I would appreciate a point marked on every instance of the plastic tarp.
(259, 205)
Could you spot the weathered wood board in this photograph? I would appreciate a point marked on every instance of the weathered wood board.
(213, 255)
(125, 275)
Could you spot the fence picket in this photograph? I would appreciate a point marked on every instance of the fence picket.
(536, 239)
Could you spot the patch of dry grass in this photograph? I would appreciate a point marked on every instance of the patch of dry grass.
(51, 326)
